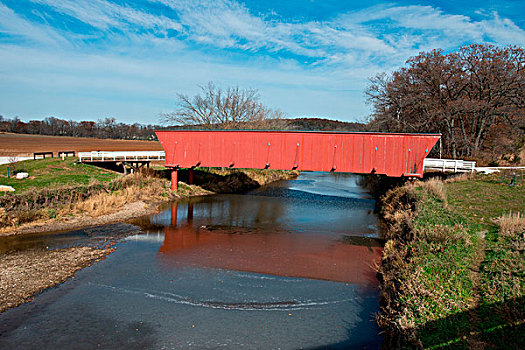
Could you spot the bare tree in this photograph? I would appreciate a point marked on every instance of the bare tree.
(12, 159)
(218, 108)
(469, 96)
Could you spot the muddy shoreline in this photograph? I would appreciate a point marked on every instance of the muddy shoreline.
(24, 274)
(129, 211)
(146, 204)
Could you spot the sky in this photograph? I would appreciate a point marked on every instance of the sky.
(128, 59)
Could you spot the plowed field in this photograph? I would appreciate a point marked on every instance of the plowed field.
(26, 145)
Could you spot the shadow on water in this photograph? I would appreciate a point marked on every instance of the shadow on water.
(105, 333)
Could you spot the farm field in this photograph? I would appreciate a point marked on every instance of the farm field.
(25, 145)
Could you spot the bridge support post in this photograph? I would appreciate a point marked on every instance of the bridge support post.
(190, 176)
(173, 219)
(190, 213)
(174, 180)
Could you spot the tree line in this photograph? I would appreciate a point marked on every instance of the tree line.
(241, 108)
(107, 128)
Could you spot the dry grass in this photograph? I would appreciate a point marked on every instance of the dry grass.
(138, 188)
(99, 199)
(460, 177)
(453, 271)
(435, 187)
(101, 203)
(425, 270)
(511, 224)
(262, 177)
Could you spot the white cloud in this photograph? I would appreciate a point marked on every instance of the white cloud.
(503, 30)
(382, 34)
(309, 67)
(387, 34)
(228, 24)
(101, 84)
(14, 25)
(106, 15)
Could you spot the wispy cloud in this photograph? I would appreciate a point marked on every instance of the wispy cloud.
(383, 33)
(151, 48)
(12, 24)
(106, 15)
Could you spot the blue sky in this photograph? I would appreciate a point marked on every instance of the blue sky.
(89, 59)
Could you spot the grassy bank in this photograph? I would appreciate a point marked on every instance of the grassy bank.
(63, 195)
(453, 267)
(59, 191)
(52, 173)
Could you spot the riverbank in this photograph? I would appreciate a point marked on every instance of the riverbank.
(452, 268)
(28, 272)
(64, 195)
(79, 207)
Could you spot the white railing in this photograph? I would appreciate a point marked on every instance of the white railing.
(450, 165)
(496, 169)
(107, 156)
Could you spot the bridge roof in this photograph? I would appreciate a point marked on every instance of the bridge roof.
(304, 131)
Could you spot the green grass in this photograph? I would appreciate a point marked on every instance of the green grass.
(439, 269)
(459, 281)
(502, 271)
(475, 204)
(484, 198)
(52, 172)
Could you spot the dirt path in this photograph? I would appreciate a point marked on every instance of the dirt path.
(473, 340)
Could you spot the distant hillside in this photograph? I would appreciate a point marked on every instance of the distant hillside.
(304, 124)
(323, 124)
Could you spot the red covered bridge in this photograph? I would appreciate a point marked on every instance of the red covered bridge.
(391, 154)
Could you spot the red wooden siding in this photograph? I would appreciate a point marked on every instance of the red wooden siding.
(363, 153)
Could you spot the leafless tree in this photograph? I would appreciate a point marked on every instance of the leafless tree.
(223, 108)
(470, 96)
(12, 159)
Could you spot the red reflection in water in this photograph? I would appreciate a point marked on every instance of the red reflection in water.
(274, 253)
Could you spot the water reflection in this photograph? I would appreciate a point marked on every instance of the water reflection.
(226, 271)
(264, 251)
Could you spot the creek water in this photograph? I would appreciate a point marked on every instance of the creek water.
(287, 266)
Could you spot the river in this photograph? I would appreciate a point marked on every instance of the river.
(287, 266)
